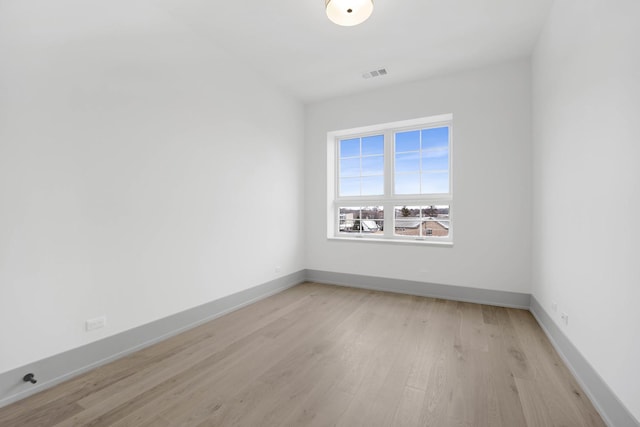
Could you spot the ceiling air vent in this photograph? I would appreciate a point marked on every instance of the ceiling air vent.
(375, 73)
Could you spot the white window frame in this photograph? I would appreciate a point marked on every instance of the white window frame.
(389, 200)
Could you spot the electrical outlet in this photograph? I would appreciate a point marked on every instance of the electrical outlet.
(277, 269)
(565, 318)
(95, 323)
(554, 306)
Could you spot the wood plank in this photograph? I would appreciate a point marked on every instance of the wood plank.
(408, 411)
(561, 392)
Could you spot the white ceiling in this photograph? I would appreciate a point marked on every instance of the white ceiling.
(292, 43)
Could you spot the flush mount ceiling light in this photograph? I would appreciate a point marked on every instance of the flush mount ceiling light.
(349, 12)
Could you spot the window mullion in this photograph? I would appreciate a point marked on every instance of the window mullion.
(388, 183)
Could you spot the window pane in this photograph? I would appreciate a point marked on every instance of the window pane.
(435, 160)
(347, 218)
(373, 165)
(373, 145)
(350, 147)
(408, 162)
(350, 167)
(435, 151)
(408, 183)
(435, 139)
(372, 185)
(422, 221)
(435, 183)
(407, 220)
(371, 220)
(435, 221)
(350, 186)
(434, 228)
(408, 141)
(361, 220)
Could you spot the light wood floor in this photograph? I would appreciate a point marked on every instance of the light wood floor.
(318, 355)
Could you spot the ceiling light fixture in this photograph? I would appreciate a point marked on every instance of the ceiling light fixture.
(348, 12)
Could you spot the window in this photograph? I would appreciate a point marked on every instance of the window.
(402, 169)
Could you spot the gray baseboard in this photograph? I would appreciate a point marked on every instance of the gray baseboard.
(61, 367)
(456, 293)
(613, 412)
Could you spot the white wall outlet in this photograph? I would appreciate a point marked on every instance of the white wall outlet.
(277, 269)
(95, 323)
(565, 318)
(554, 306)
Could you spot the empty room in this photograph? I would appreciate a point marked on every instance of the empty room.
(319, 213)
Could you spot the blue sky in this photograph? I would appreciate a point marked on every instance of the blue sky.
(421, 160)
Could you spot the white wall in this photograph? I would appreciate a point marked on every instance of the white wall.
(491, 179)
(586, 91)
(142, 173)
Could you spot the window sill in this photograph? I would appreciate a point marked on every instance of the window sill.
(419, 242)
